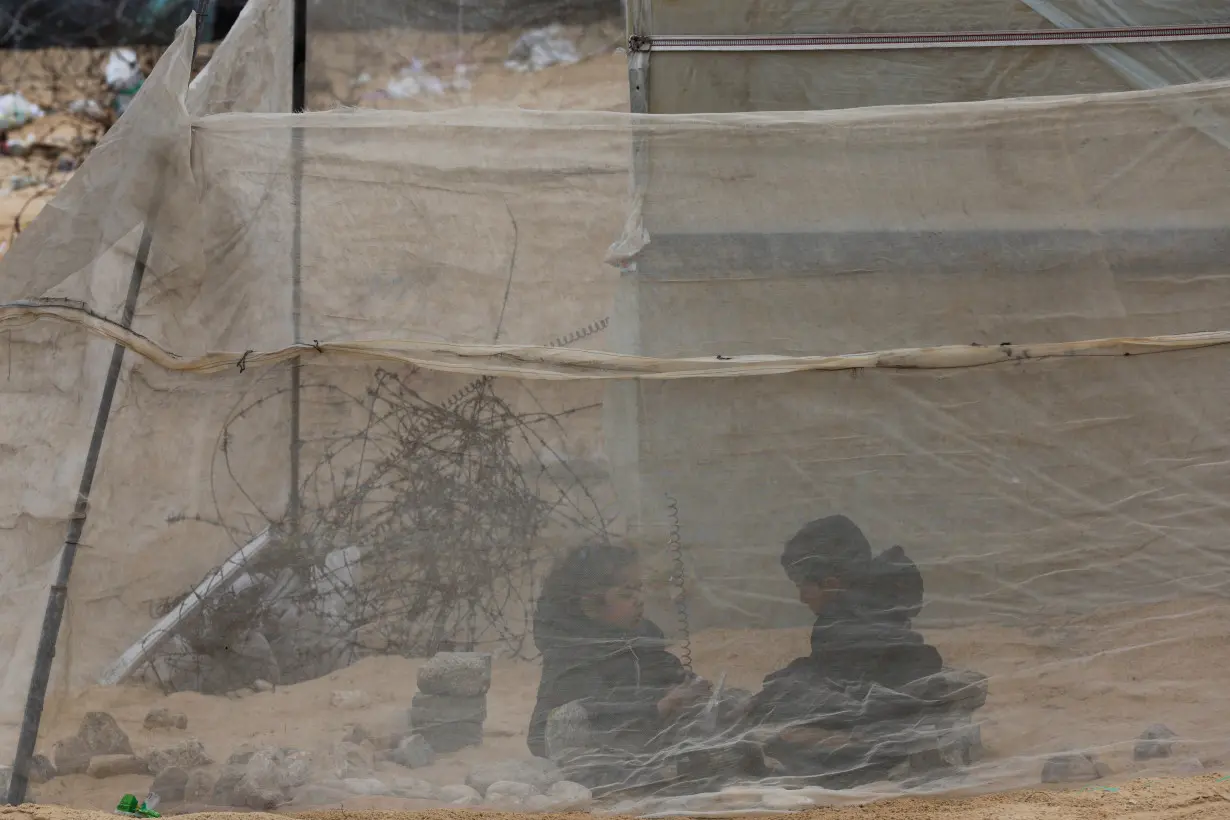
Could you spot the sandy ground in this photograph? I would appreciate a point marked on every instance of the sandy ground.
(1092, 683)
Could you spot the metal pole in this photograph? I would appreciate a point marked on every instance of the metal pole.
(53, 616)
(298, 101)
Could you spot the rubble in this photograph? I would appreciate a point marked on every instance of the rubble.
(414, 752)
(459, 796)
(104, 766)
(71, 756)
(539, 774)
(542, 48)
(414, 789)
(165, 719)
(510, 794)
(103, 736)
(42, 770)
(16, 111)
(1074, 767)
(171, 784)
(1155, 742)
(366, 786)
(354, 759)
(224, 786)
(458, 674)
(200, 785)
(188, 754)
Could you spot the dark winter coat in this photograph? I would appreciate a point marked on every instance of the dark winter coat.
(618, 676)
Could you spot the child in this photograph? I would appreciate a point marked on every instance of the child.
(862, 638)
(600, 651)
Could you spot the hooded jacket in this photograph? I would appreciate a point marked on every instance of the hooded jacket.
(619, 676)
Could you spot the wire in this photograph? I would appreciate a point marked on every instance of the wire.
(678, 581)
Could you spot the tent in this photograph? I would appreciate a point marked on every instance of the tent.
(387, 367)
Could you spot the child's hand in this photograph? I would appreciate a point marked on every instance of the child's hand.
(684, 696)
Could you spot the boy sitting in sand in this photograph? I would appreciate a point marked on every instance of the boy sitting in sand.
(868, 675)
(601, 654)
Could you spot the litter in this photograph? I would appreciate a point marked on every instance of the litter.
(542, 48)
(16, 111)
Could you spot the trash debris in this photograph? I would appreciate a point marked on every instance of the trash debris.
(413, 81)
(86, 108)
(542, 48)
(129, 806)
(124, 77)
(18, 183)
(16, 111)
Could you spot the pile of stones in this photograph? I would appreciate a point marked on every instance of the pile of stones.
(450, 707)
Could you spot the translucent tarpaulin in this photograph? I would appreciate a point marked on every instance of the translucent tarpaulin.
(578, 421)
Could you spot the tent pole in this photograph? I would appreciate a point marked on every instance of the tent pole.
(298, 102)
(57, 599)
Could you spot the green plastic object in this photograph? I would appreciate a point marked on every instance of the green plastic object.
(129, 806)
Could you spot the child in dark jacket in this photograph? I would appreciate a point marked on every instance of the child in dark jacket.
(861, 645)
(600, 651)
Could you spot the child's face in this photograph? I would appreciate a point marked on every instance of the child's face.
(622, 604)
(816, 594)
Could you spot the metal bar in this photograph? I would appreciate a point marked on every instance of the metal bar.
(136, 654)
(298, 104)
(57, 599)
(962, 39)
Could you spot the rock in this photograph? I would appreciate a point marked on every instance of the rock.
(71, 756)
(1155, 742)
(510, 794)
(786, 800)
(539, 774)
(296, 769)
(357, 733)
(42, 770)
(366, 786)
(103, 736)
(354, 760)
(569, 796)
(568, 730)
(459, 796)
(102, 766)
(262, 770)
(243, 753)
(170, 784)
(414, 753)
(1074, 767)
(199, 787)
(453, 737)
(536, 804)
(319, 794)
(261, 685)
(224, 786)
(165, 719)
(434, 710)
(248, 794)
(178, 668)
(350, 699)
(188, 754)
(459, 674)
(412, 788)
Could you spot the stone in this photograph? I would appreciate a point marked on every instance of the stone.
(243, 753)
(459, 796)
(1155, 742)
(510, 794)
(453, 737)
(199, 787)
(785, 800)
(1074, 767)
(296, 770)
(539, 774)
(103, 766)
(170, 785)
(165, 719)
(354, 760)
(42, 770)
(459, 674)
(350, 699)
(262, 770)
(71, 756)
(412, 788)
(357, 733)
(414, 752)
(320, 794)
(569, 796)
(103, 736)
(188, 754)
(224, 786)
(262, 685)
(251, 795)
(433, 710)
(567, 731)
(366, 786)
